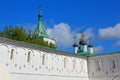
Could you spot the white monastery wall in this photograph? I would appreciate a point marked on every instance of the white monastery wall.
(23, 61)
(29, 62)
(104, 67)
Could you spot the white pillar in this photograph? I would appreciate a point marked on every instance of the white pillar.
(81, 47)
(90, 49)
(84, 48)
(75, 49)
(75, 46)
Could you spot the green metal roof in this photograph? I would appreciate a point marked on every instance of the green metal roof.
(40, 29)
(44, 47)
(117, 52)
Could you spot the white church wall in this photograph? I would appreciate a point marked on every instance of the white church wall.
(43, 77)
(4, 74)
(49, 40)
(4, 53)
(21, 60)
(104, 67)
(118, 62)
(21, 57)
(33, 62)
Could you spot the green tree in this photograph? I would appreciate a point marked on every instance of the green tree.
(19, 33)
(15, 33)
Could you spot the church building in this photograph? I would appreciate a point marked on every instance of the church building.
(41, 31)
(25, 61)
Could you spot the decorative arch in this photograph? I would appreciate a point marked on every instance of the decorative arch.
(5, 45)
(12, 53)
(92, 65)
(30, 55)
(4, 53)
(99, 64)
(31, 51)
(106, 64)
(43, 59)
(13, 47)
(65, 62)
(82, 66)
(74, 63)
(112, 64)
(118, 62)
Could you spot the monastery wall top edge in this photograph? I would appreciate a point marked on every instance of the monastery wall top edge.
(47, 49)
(37, 47)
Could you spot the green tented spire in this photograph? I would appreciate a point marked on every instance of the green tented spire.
(40, 30)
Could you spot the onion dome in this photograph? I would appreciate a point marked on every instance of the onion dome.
(90, 45)
(82, 42)
(90, 42)
(75, 45)
(40, 15)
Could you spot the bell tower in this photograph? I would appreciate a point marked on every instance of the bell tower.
(40, 30)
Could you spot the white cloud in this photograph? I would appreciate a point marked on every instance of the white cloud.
(98, 49)
(88, 33)
(117, 44)
(62, 34)
(110, 32)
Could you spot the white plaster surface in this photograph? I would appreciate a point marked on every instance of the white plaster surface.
(54, 65)
(4, 74)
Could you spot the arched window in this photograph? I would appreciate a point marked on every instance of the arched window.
(99, 66)
(73, 64)
(64, 62)
(12, 54)
(113, 64)
(43, 59)
(82, 66)
(28, 57)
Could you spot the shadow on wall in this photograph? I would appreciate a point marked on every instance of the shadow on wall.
(4, 75)
(116, 76)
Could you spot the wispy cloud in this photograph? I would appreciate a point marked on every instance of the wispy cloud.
(110, 32)
(117, 44)
(89, 32)
(98, 49)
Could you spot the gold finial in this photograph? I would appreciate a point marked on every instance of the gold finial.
(82, 36)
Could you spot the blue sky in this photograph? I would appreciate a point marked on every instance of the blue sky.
(64, 18)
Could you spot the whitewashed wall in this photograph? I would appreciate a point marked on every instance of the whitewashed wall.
(41, 65)
(49, 40)
(104, 67)
(44, 64)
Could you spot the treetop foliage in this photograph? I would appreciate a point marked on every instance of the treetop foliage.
(19, 33)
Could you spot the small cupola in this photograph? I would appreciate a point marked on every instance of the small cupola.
(90, 46)
(82, 43)
(75, 45)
